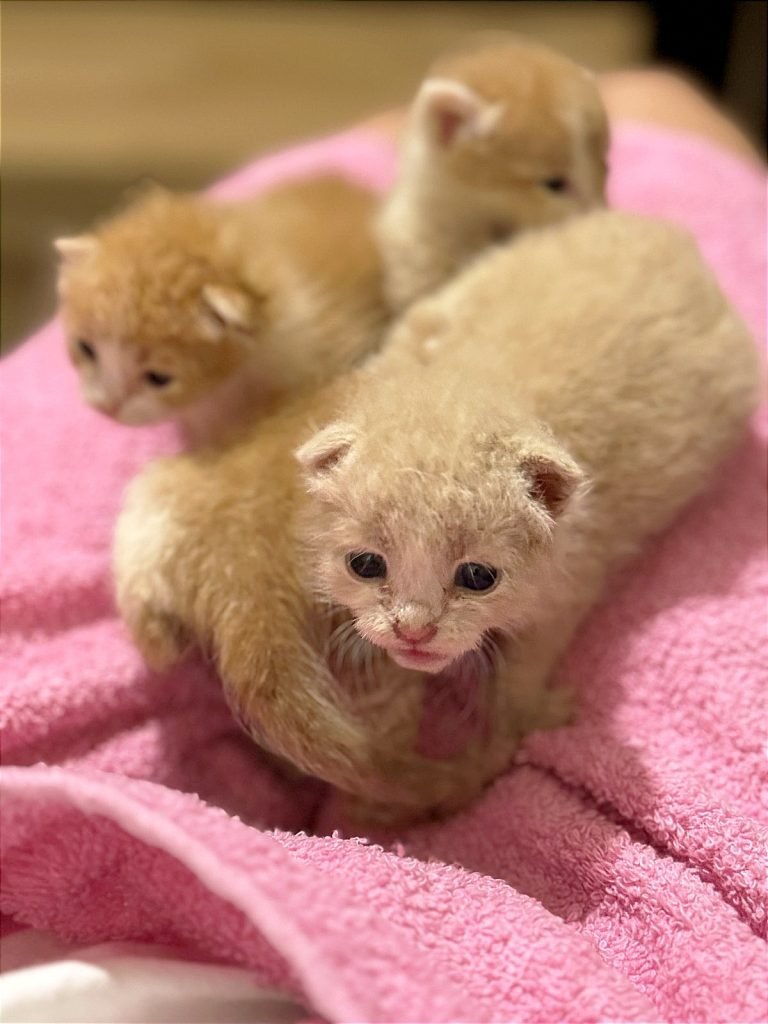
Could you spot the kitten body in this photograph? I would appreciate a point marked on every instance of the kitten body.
(499, 140)
(520, 436)
(205, 553)
(210, 312)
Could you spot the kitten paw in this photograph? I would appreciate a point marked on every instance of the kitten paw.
(438, 806)
(371, 812)
(160, 637)
(557, 708)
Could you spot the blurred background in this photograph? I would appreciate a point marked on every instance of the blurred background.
(100, 93)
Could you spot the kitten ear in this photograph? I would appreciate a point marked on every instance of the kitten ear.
(552, 479)
(319, 456)
(72, 250)
(451, 111)
(230, 308)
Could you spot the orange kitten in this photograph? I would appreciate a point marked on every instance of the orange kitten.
(499, 140)
(522, 433)
(182, 307)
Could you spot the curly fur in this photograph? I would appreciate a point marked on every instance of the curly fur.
(544, 415)
(205, 553)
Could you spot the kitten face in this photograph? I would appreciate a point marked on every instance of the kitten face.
(427, 605)
(148, 339)
(532, 155)
(138, 384)
(431, 558)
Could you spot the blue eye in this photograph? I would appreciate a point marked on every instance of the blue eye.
(86, 349)
(555, 184)
(367, 565)
(157, 380)
(474, 576)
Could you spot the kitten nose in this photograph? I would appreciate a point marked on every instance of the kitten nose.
(414, 635)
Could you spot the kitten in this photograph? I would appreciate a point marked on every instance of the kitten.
(182, 307)
(520, 435)
(205, 553)
(499, 140)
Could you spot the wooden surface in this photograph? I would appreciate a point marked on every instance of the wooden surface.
(100, 93)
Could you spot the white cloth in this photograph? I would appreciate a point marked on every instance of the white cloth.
(44, 981)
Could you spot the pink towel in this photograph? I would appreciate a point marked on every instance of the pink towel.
(618, 873)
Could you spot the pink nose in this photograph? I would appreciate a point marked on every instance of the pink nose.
(419, 635)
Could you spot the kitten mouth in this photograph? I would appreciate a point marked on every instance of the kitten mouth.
(417, 652)
(481, 659)
(412, 656)
(409, 657)
(129, 419)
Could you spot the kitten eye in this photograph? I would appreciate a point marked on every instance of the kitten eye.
(86, 349)
(157, 380)
(367, 565)
(556, 184)
(474, 576)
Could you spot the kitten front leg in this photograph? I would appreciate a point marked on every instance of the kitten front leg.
(160, 637)
(143, 544)
(522, 698)
(283, 695)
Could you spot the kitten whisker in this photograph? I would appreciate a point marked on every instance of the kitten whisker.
(351, 657)
(340, 632)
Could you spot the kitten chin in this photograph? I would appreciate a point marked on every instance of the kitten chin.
(500, 139)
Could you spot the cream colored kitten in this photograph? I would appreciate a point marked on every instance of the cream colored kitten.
(521, 435)
(181, 307)
(205, 553)
(499, 139)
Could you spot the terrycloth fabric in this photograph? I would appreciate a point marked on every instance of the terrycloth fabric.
(619, 874)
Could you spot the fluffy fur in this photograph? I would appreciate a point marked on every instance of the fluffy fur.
(500, 139)
(205, 553)
(542, 416)
(468, 437)
(208, 313)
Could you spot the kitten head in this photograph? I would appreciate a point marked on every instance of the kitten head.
(432, 547)
(154, 311)
(518, 130)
